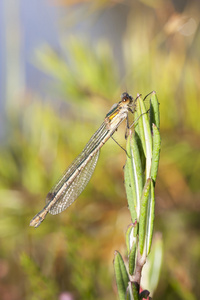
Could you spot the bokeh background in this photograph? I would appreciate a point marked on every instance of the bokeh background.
(63, 64)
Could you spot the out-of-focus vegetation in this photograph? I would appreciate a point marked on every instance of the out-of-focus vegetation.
(71, 254)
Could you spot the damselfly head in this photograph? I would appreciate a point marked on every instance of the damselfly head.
(125, 97)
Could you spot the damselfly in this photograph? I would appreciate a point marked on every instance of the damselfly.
(76, 177)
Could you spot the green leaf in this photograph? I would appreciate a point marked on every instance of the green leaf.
(144, 133)
(154, 111)
(138, 127)
(150, 217)
(154, 263)
(131, 242)
(121, 274)
(131, 235)
(156, 152)
(133, 291)
(143, 215)
(133, 177)
(131, 258)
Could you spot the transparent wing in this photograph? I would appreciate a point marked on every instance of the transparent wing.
(72, 191)
(95, 140)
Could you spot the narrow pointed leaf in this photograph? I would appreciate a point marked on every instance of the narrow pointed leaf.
(131, 258)
(121, 274)
(156, 152)
(155, 262)
(128, 237)
(129, 295)
(143, 215)
(145, 133)
(138, 126)
(131, 240)
(134, 290)
(148, 137)
(131, 235)
(133, 177)
(150, 217)
(154, 111)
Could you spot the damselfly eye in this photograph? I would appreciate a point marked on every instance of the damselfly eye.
(125, 97)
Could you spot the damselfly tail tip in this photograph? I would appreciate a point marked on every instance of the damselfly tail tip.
(38, 219)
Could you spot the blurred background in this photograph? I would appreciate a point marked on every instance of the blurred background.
(63, 64)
